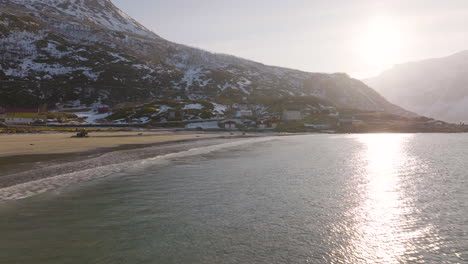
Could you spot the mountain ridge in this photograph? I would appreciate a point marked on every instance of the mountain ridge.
(104, 13)
(49, 57)
(432, 87)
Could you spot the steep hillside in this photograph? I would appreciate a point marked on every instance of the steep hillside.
(437, 87)
(56, 51)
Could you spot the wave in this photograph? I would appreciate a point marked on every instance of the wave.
(28, 189)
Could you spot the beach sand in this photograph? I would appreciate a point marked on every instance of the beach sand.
(55, 143)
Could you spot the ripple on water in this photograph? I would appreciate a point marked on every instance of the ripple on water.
(304, 199)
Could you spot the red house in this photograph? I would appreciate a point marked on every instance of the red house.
(103, 110)
(228, 124)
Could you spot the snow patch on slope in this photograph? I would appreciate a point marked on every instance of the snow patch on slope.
(100, 12)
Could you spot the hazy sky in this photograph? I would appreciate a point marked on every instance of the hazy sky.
(360, 37)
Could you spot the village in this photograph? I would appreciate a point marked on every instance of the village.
(209, 116)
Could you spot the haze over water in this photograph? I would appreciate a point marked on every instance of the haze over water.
(383, 198)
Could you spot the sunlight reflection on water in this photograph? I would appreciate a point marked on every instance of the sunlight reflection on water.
(381, 221)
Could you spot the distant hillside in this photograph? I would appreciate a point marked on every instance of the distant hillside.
(60, 51)
(436, 87)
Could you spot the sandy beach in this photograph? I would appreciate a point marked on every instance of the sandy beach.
(55, 143)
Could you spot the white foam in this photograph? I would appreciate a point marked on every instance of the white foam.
(28, 189)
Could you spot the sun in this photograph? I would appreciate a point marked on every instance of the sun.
(380, 43)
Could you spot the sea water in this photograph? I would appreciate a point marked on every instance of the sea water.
(374, 198)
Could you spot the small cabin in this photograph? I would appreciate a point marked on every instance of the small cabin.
(103, 110)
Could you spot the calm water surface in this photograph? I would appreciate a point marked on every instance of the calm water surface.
(302, 199)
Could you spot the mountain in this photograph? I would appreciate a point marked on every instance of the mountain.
(88, 51)
(436, 87)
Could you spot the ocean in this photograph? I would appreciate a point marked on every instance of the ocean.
(370, 198)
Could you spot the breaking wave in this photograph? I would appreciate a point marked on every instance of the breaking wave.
(24, 190)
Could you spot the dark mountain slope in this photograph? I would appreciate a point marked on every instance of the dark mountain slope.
(56, 51)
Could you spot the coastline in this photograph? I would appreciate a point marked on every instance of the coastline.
(59, 143)
(30, 174)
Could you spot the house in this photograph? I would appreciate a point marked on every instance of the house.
(348, 121)
(175, 115)
(244, 107)
(334, 113)
(235, 106)
(290, 115)
(262, 124)
(345, 122)
(244, 113)
(274, 124)
(267, 124)
(313, 110)
(103, 110)
(23, 118)
(228, 124)
(318, 126)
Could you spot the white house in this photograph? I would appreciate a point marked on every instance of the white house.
(318, 126)
(289, 115)
(244, 113)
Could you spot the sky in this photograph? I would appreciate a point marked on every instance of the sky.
(358, 37)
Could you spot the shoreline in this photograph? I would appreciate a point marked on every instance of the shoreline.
(27, 175)
(64, 142)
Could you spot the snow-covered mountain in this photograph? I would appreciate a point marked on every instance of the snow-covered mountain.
(436, 87)
(89, 50)
(101, 13)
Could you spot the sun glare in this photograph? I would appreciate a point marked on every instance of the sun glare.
(381, 43)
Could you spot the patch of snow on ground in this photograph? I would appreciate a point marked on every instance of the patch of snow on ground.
(142, 67)
(28, 65)
(190, 76)
(77, 57)
(119, 58)
(91, 116)
(91, 75)
(218, 108)
(142, 120)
